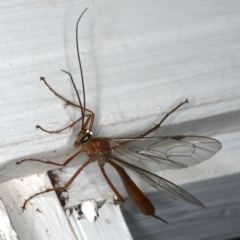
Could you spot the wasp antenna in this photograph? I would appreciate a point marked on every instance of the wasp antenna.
(80, 66)
(75, 88)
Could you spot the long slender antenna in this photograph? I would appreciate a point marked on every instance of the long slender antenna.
(81, 71)
(75, 88)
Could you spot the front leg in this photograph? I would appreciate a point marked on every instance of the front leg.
(58, 95)
(67, 102)
(58, 131)
(50, 162)
(88, 116)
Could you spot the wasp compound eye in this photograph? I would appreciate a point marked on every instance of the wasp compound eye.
(86, 138)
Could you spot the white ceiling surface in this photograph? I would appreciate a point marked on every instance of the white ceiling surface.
(140, 59)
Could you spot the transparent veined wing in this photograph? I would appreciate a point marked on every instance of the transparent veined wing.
(161, 184)
(170, 152)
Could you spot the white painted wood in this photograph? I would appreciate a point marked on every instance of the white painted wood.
(7, 231)
(109, 225)
(44, 218)
(90, 210)
(139, 59)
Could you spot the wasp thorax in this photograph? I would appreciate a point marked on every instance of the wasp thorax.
(83, 138)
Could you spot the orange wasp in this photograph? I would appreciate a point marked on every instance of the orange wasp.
(140, 154)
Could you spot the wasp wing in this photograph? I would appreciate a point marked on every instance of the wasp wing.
(161, 184)
(170, 152)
